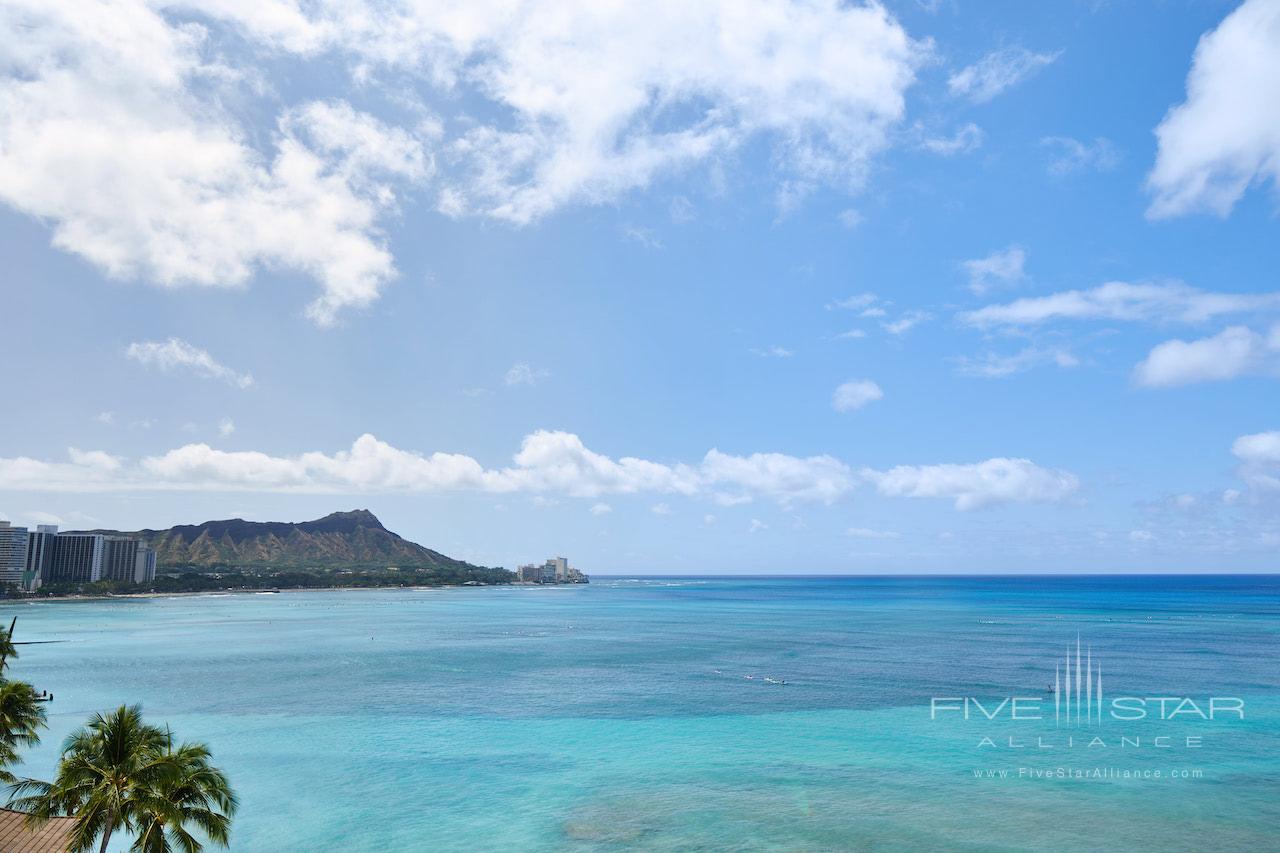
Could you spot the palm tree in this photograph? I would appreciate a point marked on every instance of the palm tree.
(22, 716)
(7, 650)
(192, 793)
(118, 773)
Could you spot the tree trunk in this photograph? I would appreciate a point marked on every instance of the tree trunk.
(106, 832)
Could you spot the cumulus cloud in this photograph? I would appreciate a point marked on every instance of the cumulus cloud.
(1226, 135)
(176, 355)
(226, 427)
(996, 72)
(1118, 300)
(125, 122)
(82, 472)
(601, 508)
(604, 99)
(779, 476)
(1235, 351)
(1259, 454)
(114, 135)
(1261, 447)
(988, 483)
(855, 394)
(1070, 156)
(548, 464)
(1000, 268)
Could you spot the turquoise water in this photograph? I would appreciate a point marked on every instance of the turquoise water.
(620, 716)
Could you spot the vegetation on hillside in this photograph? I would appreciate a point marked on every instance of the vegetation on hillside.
(249, 579)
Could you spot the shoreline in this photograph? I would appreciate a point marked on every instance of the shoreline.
(36, 599)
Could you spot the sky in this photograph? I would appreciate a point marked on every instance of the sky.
(730, 287)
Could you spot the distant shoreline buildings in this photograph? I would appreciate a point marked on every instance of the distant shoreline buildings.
(30, 559)
(554, 570)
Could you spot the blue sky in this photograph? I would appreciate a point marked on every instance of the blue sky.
(762, 286)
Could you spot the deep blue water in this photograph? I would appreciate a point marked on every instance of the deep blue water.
(650, 713)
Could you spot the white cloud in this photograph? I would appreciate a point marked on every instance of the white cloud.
(1118, 300)
(855, 394)
(105, 418)
(996, 72)
(994, 481)
(1235, 351)
(587, 103)
(124, 121)
(774, 351)
(1259, 448)
(965, 140)
(1071, 155)
(601, 509)
(226, 427)
(660, 509)
(84, 472)
(115, 136)
(993, 366)
(756, 526)
(176, 354)
(560, 462)
(1260, 455)
(548, 464)
(1226, 135)
(708, 520)
(1000, 268)
(1141, 536)
(779, 476)
(868, 533)
(904, 323)
(522, 374)
(852, 334)
(604, 99)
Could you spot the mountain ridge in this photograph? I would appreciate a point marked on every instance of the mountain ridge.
(339, 540)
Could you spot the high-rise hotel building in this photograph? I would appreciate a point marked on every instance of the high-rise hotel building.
(13, 553)
(39, 556)
(30, 560)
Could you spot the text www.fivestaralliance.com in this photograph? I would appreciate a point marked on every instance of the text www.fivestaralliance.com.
(1085, 774)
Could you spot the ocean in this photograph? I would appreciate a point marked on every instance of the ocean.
(719, 714)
